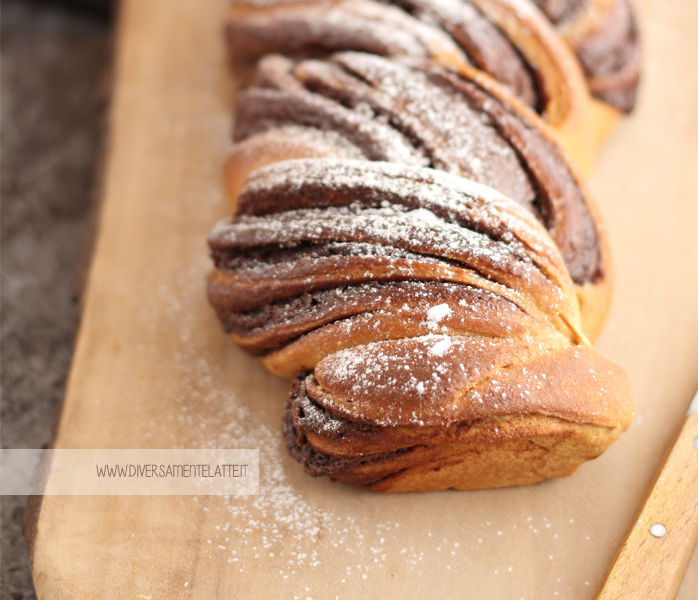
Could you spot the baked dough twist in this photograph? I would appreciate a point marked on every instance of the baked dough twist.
(436, 329)
(605, 37)
(510, 40)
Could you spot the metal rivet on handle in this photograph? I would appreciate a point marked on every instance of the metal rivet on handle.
(657, 530)
(695, 442)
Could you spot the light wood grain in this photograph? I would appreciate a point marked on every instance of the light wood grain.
(153, 370)
(653, 567)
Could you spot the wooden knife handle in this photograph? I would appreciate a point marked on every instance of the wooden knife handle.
(650, 567)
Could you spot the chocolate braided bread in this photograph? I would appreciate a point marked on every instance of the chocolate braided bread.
(508, 39)
(436, 329)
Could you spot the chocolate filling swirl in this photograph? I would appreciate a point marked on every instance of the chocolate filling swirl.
(428, 117)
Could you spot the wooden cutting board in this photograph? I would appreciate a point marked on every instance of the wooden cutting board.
(153, 370)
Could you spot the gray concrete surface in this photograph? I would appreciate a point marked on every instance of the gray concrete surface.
(55, 65)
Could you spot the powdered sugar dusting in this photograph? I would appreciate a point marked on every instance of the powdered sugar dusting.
(437, 313)
(441, 347)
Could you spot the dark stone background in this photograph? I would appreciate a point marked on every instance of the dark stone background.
(55, 77)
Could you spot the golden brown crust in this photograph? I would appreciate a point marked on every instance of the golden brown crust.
(274, 146)
(495, 451)
(498, 378)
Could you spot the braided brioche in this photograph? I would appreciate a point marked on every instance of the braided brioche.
(414, 248)
(507, 39)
